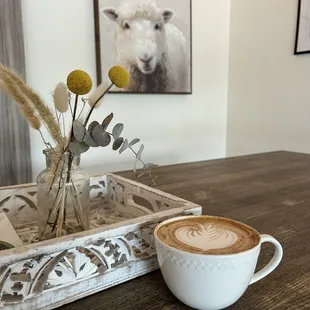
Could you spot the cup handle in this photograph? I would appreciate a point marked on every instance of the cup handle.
(275, 261)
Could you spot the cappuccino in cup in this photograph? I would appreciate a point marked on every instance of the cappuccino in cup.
(208, 235)
(208, 262)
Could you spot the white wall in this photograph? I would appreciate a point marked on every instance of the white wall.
(59, 37)
(268, 101)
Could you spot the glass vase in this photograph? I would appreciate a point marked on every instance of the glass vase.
(63, 196)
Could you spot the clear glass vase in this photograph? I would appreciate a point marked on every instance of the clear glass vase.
(63, 196)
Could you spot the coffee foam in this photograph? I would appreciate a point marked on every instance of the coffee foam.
(208, 235)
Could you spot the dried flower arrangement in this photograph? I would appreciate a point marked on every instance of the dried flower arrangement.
(79, 139)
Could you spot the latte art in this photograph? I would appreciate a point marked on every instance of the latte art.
(208, 235)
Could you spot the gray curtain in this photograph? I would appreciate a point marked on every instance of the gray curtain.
(15, 156)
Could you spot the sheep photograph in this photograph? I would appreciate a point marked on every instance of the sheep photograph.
(151, 39)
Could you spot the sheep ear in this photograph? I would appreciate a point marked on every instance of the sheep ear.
(168, 15)
(110, 14)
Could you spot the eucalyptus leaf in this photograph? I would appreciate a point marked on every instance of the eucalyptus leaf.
(118, 143)
(79, 130)
(106, 122)
(78, 148)
(106, 139)
(100, 136)
(150, 166)
(92, 125)
(124, 146)
(139, 154)
(133, 142)
(117, 130)
(89, 140)
(96, 131)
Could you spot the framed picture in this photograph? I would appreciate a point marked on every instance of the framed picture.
(302, 44)
(152, 39)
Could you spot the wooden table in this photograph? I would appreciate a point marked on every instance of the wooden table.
(270, 192)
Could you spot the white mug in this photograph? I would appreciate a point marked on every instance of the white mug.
(211, 282)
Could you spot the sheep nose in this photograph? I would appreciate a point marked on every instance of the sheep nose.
(146, 59)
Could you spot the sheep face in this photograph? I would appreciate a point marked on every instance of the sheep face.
(140, 38)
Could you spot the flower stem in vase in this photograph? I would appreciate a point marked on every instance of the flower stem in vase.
(64, 206)
(61, 211)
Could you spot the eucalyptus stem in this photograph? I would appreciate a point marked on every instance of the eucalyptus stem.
(94, 105)
(75, 106)
(136, 155)
(71, 156)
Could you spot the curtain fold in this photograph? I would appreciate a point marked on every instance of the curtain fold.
(15, 152)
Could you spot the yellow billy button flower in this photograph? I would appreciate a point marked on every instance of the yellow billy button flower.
(79, 82)
(119, 76)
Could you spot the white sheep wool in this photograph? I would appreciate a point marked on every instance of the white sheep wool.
(150, 47)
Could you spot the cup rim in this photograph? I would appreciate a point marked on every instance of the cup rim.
(206, 255)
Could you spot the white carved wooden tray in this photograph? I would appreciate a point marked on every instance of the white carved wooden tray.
(119, 247)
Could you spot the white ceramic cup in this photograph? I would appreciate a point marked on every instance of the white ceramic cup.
(211, 282)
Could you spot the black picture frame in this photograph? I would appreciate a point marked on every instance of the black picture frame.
(298, 31)
(99, 62)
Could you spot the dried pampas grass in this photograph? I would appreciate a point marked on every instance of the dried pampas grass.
(4, 87)
(34, 121)
(15, 84)
(22, 101)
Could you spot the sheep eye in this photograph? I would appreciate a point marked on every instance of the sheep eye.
(157, 27)
(126, 26)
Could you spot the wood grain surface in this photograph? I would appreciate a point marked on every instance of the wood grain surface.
(15, 156)
(270, 192)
